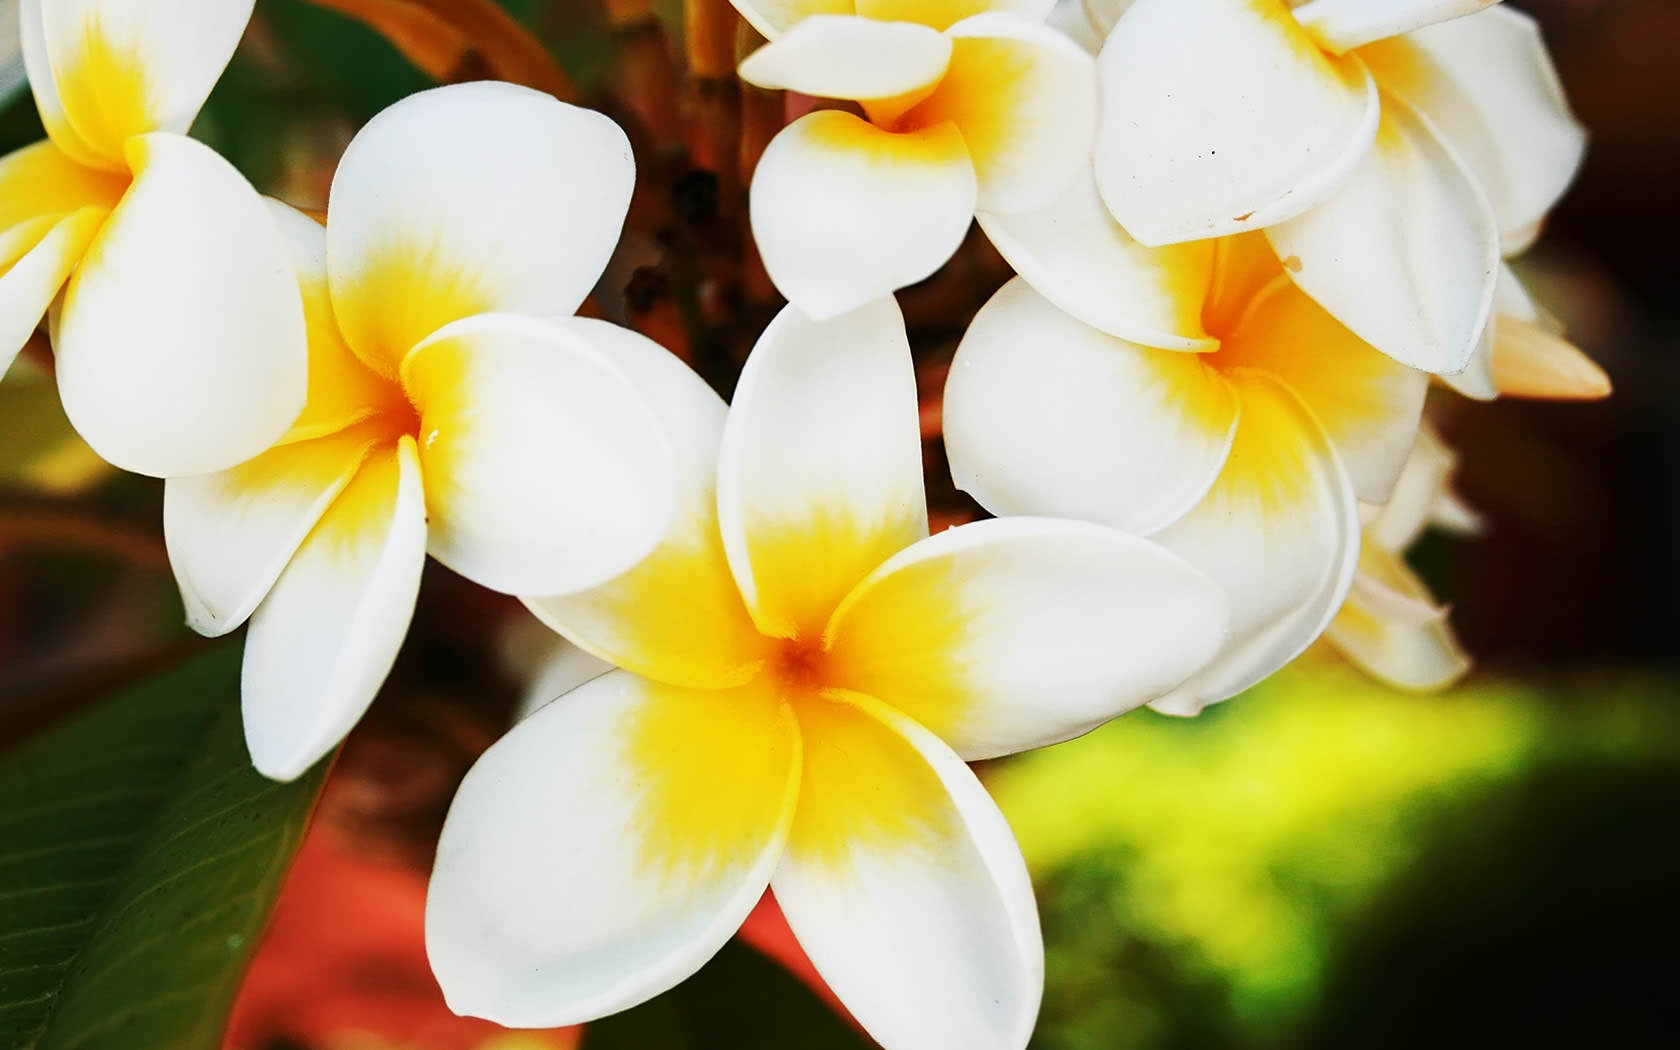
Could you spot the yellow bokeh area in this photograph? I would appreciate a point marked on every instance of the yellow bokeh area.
(1244, 842)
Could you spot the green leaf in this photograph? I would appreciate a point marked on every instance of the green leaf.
(139, 857)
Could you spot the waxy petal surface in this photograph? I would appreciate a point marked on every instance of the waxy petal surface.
(1024, 97)
(1046, 415)
(1340, 26)
(181, 347)
(1004, 635)
(1417, 654)
(607, 847)
(231, 534)
(1220, 116)
(546, 470)
(324, 639)
(844, 213)
(677, 615)
(943, 14)
(1410, 220)
(820, 473)
(468, 199)
(772, 18)
(1368, 404)
(1488, 86)
(905, 887)
(122, 68)
(31, 282)
(1073, 253)
(1279, 531)
(843, 56)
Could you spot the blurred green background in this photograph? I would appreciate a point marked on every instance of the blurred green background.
(1320, 863)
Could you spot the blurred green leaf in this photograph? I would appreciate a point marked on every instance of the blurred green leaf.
(139, 857)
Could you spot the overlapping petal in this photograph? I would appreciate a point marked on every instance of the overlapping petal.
(1279, 532)
(546, 470)
(1487, 85)
(607, 847)
(1024, 97)
(325, 637)
(843, 56)
(1411, 221)
(38, 64)
(943, 14)
(772, 18)
(181, 346)
(121, 68)
(1045, 415)
(507, 200)
(844, 212)
(50, 250)
(905, 887)
(1342, 25)
(1414, 651)
(677, 616)
(820, 472)
(1073, 253)
(1003, 635)
(231, 534)
(1223, 115)
(1368, 404)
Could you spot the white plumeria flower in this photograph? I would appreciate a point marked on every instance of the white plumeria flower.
(1391, 149)
(803, 673)
(1523, 354)
(1390, 627)
(971, 105)
(1247, 458)
(453, 408)
(180, 337)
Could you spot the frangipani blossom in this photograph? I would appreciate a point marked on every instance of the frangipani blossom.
(179, 338)
(1390, 627)
(803, 672)
(1247, 458)
(453, 408)
(968, 105)
(1391, 149)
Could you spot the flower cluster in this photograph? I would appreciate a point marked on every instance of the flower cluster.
(1248, 234)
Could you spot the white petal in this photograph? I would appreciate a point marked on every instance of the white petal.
(843, 56)
(1072, 18)
(1280, 532)
(1220, 116)
(905, 887)
(38, 65)
(1015, 633)
(1416, 494)
(1412, 222)
(1401, 651)
(565, 668)
(181, 347)
(1342, 25)
(772, 18)
(1074, 254)
(1104, 13)
(677, 616)
(943, 14)
(606, 848)
(1046, 415)
(546, 470)
(820, 473)
(324, 639)
(1024, 97)
(473, 198)
(230, 534)
(844, 212)
(129, 67)
(1489, 87)
(31, 283)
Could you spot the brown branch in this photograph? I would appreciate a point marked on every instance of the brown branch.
(454, 40)
(39, 527)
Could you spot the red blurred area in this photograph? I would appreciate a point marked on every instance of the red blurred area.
(343, 964)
